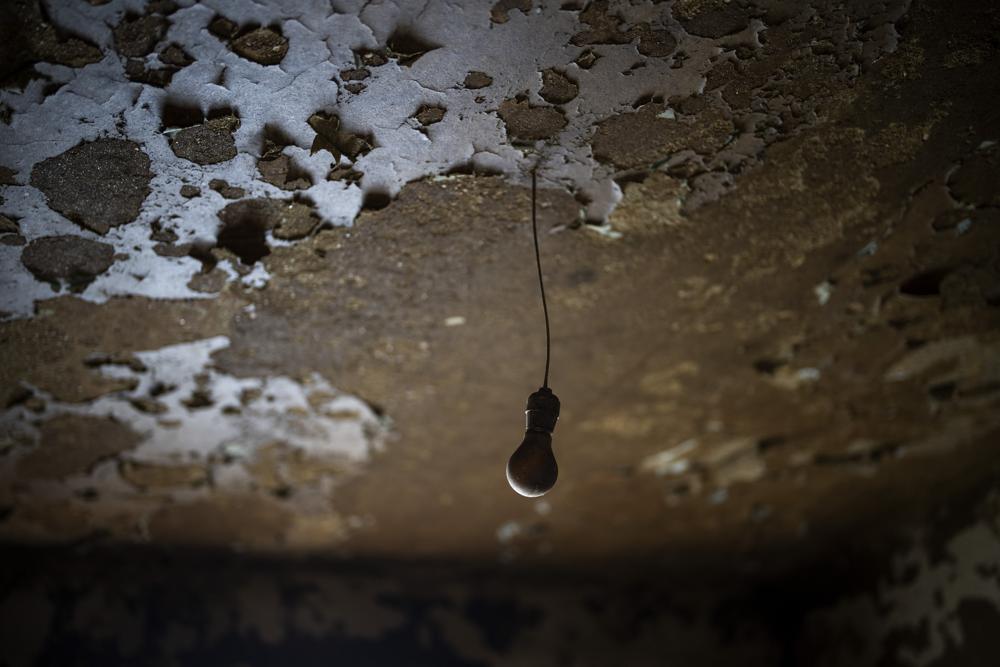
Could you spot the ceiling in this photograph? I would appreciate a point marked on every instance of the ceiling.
(268, 282)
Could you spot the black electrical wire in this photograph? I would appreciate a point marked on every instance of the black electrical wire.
(541, 283)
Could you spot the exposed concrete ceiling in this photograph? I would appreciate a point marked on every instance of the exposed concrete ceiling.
(268, 283)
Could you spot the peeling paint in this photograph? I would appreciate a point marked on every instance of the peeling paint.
(200, 430)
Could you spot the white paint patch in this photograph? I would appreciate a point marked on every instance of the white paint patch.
(921, 597)
(734, 461)
(669, 461)
(719, 496)
(98, 101)
(605, 231)
(869, 249)
(807, 374)
(964, 360)
(204, 415)
(823, 291)
(508, 531)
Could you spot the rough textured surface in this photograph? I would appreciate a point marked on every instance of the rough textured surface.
(98, 185)
(280, 171)
(246, 223)
(500, 13)
(428, 115)
(333, 138)
(771, 241)
(557, 88)
(67, 259)
(711, 18)
(477, 80)
(208, 143)
(69, 445)
(26, 37)
(653, 134)
(8, 226)
(50, 351)
(138, 36)
(263, 45)
(527, 123)
(225, 189)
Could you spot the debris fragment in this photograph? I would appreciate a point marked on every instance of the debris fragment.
(501, 9)
(281, 172)
(98, 184)
(602, 26)
(655, 43)
(344, 173)
(331, 137)
(223, 28)
(225, 189)
(587, 59)
(136, 70)
(173, 59)
(29, 38)
(73, 260)
(176, 56)
(530, 123)
(475, 80)
(158, 233)
(369, 58)
(557, 88)
(643, 137)
(137, 36)
(266, 46)
(355, 74)
(199, 399)
(711, 18)
(429, 114)
(606, 28)
(208, 143)
(208, 282)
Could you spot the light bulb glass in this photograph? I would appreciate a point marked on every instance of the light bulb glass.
(532, 469)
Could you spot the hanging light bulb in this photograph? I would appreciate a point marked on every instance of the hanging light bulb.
(532, 469)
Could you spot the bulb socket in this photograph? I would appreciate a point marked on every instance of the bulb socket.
(542, 411)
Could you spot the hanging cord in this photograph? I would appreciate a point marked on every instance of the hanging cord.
(541, 283)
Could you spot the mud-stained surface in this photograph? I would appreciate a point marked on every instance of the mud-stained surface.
(98, 185)
(67, 260)
(267, 285)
